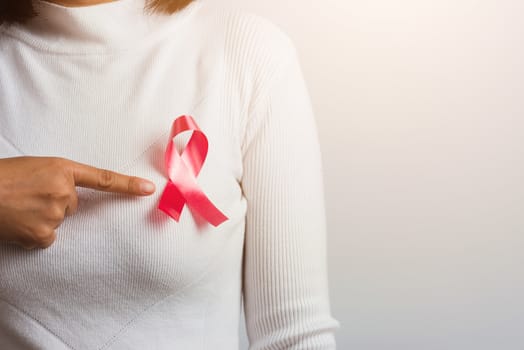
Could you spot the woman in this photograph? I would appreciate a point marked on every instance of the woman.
(89, 91)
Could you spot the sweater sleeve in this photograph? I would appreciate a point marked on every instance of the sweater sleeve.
(285, 285)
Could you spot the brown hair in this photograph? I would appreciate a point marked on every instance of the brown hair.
(19, 11)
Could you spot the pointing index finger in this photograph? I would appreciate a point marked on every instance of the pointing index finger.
(109, 181)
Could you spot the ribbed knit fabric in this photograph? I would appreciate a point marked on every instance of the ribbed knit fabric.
(101, 85)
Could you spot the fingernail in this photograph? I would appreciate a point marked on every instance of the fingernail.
(147, 187)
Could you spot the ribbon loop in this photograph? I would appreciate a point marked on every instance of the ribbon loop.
(182, 171)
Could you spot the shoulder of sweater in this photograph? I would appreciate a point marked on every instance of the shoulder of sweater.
(254, 41)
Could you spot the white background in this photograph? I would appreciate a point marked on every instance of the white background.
(420, 109)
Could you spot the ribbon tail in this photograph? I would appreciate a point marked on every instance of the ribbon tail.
(198, 201)
(172, 201)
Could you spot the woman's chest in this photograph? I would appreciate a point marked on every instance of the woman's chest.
(119, 118)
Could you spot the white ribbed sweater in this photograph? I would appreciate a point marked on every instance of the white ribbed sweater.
(101, 85)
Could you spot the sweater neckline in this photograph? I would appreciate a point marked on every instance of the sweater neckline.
(102, 28)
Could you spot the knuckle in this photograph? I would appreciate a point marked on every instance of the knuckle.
(55, 213)
(27, 245)
(42, 236)
(73, 205)
(72, 209)
(27, 242)
(132, 184)
(59, 194)
(59, 183)
(48, 241)
(106, 178)
(58, 188)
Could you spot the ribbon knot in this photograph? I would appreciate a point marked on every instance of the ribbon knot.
(182, 170)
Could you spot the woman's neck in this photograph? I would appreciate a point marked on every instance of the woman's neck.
(105, 28)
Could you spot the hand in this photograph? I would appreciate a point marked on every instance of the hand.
(36, 193)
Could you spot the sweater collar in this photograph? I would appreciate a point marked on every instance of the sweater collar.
(112, 26)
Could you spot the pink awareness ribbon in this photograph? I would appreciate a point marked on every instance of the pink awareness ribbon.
(182, 171)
